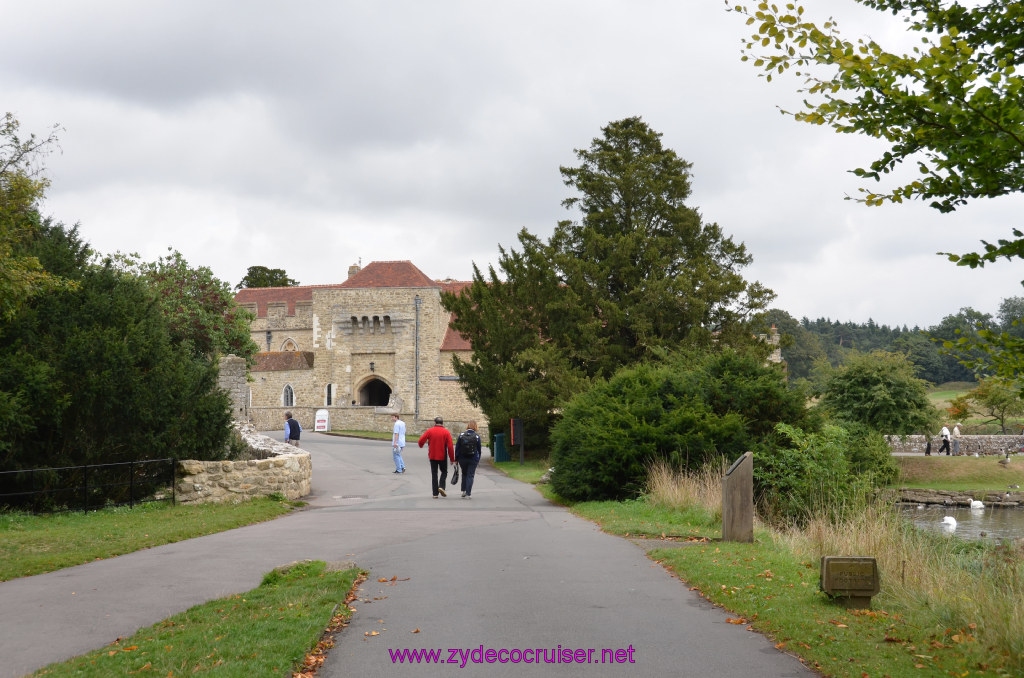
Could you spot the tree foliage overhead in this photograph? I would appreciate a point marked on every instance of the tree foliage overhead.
(21, 189)
(200, 309)
(637, 273)
(261, 276)
(953, 108)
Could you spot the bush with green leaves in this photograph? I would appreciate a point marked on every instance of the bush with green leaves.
(808, 473)
(685, 412)
(880, 389)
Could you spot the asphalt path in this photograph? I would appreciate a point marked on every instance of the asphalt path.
(504, 584)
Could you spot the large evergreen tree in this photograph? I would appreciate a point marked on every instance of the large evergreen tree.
(637, 273)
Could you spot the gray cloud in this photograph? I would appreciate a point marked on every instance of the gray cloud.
(307, 135)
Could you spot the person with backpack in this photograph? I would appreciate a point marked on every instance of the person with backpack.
(467, 453)
(440, 450)
(292, 429)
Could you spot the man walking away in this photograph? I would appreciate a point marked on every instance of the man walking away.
(956, 439)
(440, 450)
(398, 443)
(292, 429)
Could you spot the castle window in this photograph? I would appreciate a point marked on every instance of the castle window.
(376, 324)
(290, 345)
(289, 396)
(366, 324)
(328, 402)
(387, 324)
(355, 324)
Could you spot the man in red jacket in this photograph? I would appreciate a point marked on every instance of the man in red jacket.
(440, 451)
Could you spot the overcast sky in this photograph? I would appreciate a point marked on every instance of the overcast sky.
(312, 135)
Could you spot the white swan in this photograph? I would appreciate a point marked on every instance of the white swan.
(975, 504)
(949, 523)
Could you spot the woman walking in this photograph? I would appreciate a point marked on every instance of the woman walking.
(467, 454)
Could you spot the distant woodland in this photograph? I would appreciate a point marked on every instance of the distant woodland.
(809, 343)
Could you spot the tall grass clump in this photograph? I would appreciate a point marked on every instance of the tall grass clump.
(677, 489)
(970, 587)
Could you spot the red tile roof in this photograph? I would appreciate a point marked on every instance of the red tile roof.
(389, 274)
(261, 296)
(278, 361)
(453, 341)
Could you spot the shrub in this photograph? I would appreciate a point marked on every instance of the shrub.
(806, 474)
(685, 412)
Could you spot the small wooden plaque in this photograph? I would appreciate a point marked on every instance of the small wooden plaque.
(851, 580)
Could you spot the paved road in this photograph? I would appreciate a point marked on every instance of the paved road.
(505, 571)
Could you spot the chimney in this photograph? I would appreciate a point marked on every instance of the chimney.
(353, 269)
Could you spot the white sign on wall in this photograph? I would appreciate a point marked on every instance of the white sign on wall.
(323, 421)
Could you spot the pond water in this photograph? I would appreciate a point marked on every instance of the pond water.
(996, 523)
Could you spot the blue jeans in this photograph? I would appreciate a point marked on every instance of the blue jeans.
(468, 473)
(396, 452)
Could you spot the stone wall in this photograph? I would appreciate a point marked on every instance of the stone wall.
(1008, 499)
(969, 445)
(231, 377)
(285, 469)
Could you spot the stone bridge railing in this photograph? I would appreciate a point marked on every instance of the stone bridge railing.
(970, 445)
(276, 467)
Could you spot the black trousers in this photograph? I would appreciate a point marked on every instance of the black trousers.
(945, 446)
(435, 466)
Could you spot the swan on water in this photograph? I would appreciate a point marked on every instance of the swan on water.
(975, 504)
(949, 522)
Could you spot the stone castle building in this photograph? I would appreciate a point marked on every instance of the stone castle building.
(378, 343)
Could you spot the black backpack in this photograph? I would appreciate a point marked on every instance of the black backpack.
(465, 447)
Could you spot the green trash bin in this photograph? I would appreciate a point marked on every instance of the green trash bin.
(500, 451)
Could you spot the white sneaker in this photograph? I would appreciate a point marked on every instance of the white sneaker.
(463, 494)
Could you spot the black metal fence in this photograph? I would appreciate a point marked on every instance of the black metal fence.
(81, 488)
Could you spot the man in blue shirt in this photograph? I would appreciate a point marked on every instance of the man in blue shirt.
(398, 443)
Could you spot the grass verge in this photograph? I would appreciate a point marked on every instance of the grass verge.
(36, 544)
(959, 473)
(947, 607)
(768, 588)
(530, 471)
(265, 632)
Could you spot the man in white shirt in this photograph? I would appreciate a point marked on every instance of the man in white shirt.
(398, 442)
(945, 440)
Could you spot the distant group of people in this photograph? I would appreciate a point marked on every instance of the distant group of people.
(465, 451)
(440, 450)
(947, 437)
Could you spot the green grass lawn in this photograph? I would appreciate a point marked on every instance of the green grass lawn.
(265, 632)
(36, 544)
(765, 587)
(530, 471)
(641, 518)
(959, 473)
